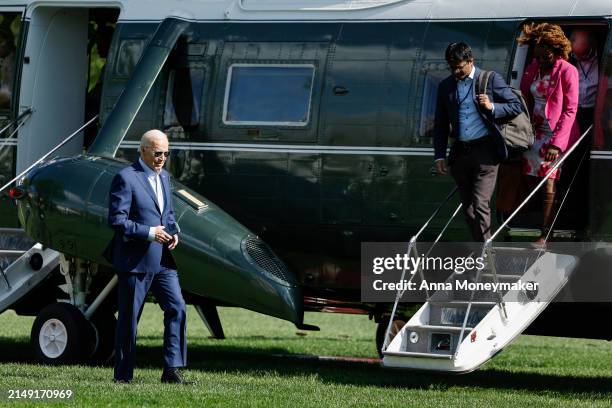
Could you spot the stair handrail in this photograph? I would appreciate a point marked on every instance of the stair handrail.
(435, 213)
(50, 152)
(20, 120)
(487, 248)
(560, 159)
(412, 249)
(22, 115)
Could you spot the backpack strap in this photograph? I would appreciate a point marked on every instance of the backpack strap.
(483, 81)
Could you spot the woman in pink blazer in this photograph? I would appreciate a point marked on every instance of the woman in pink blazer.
(550, 88)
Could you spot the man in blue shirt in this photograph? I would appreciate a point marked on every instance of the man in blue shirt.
(479, 147)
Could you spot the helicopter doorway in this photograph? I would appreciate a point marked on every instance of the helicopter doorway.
(54, 80)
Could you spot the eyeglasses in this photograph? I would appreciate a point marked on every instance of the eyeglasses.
(454, 68)
(159, 153)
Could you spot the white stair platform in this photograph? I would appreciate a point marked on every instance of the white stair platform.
(430, 339)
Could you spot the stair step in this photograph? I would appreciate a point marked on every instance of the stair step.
(439, 327)
(461, 303)
(418, 355)
(533, 232)
(502, 276)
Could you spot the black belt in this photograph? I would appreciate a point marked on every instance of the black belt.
(473, 142)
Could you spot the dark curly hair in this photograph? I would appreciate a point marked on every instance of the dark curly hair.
(550, 35)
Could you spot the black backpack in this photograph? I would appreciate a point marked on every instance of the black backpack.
(517, 131)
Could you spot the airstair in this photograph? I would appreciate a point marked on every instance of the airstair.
(23, 264)
(459, 330)
(25, 273)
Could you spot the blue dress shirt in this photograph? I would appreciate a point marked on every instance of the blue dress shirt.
(471, 124)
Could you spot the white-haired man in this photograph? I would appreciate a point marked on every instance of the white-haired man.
(142, 216)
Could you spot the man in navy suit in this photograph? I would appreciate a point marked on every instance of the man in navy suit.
(142, 215)
(479, 146)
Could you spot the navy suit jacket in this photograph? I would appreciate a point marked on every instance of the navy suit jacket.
(133, 208)
(446, 121)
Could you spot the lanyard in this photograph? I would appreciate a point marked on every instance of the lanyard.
(469, 92)
(586, 74)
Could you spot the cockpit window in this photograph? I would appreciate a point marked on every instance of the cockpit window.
(10, 23)
(268, 94)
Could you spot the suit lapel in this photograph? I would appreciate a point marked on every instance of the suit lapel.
(453, 93)
(454, 107)
(554, 78)
(142, 176)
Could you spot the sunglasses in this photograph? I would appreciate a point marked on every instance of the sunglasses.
(159, 153)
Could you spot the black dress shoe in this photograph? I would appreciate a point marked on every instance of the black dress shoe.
(117, 381)
(174, 376)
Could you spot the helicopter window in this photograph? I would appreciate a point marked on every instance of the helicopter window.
(432, 79)
(268, 94)
(129, 54)
(184, 97)
(10, 24)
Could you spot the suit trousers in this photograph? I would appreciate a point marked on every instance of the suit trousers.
(474, 168)
(132, 290)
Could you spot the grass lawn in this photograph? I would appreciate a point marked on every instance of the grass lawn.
(262, 363)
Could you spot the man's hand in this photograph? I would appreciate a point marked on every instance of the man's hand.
(484, 101)
(552, 153)
(162, 236)
(174, 242)
(440, 167)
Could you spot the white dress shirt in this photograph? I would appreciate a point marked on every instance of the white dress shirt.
(155, 183)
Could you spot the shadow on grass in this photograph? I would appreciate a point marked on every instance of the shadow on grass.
(364, 373)
(16, 350)
(226, 358)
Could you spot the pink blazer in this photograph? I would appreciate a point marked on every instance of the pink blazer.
(562, 102)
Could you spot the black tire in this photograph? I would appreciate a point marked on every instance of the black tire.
(104, 325)
(61, 335)
(381, 329)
